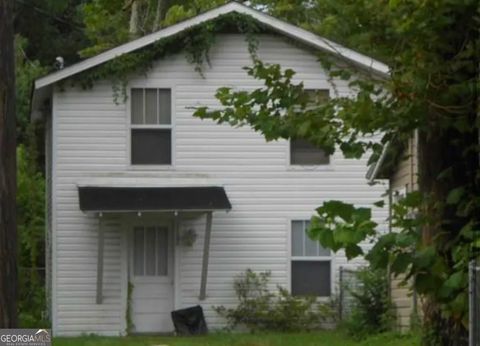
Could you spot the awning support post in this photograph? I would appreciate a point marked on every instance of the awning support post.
(206, 253)
(100, 260)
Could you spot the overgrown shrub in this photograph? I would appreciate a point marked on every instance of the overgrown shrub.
(31, 237)
(372, 311)
(262, 310)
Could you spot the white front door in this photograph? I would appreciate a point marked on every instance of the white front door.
(151, 274)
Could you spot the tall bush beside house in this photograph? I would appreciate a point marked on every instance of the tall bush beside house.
(260, 309)
(31, 229)
(372, 311)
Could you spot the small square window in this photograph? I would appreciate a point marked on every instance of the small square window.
(151, 147)
(304, 153)
(311, 278)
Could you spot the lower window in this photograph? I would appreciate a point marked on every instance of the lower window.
(311, 264)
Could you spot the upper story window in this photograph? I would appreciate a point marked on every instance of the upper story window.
(311, 264)
(151, 126)
(301, 151)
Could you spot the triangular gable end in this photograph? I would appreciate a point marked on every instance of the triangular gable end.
(43, 85)
(275, 24)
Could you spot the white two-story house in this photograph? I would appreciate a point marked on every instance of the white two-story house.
(151, 209)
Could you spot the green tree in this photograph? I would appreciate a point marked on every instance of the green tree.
(363, 25)
(432, 49)
(109, 23)
(31, 234)
(26, 71)
(52, 27)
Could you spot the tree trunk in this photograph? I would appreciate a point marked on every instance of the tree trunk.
(441, 149)
(8, 232)
(135, 18)
(159, 14)
(162, 7)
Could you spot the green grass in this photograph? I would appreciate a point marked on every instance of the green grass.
(324, 338)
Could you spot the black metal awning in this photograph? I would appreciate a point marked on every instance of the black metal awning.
(118, 199)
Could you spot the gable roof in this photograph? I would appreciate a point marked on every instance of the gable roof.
(278, 25)
(42, 86)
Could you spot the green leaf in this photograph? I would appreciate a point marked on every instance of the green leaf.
(362, 214)
(325, 237)
(460, 304)
(412, 199)
(456, 281)
(425, 283)
(424, 258)
(405, 240)
(476, 243)
(455, 195)
(340, 209)
(401, 262)
(352, 251)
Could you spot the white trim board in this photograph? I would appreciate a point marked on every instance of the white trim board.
(292, 31)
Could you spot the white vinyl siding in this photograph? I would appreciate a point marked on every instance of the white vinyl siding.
(92, 136)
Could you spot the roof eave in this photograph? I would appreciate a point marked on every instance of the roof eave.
(372, 174)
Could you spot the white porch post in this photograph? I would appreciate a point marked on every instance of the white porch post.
(100, 260)
(206, 252)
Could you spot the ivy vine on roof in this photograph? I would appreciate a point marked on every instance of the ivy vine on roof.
(196, 41)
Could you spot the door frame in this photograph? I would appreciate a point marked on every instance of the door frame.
(152, 219)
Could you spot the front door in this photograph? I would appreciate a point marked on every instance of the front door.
(151, 274)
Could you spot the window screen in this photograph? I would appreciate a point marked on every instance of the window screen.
(304, 153)
(318, 96)
(311, 278)
(150, 251)
(151, 126)
(311, 263)
(151, 147)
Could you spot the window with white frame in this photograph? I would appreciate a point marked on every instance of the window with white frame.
(310, 263)
(151, 126)
(150, 251)
(301, 151)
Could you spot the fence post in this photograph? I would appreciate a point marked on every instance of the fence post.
(340, 295)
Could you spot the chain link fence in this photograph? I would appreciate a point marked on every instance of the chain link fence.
(474, 293)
